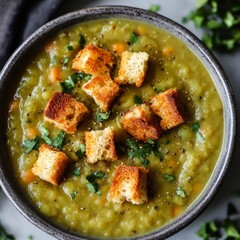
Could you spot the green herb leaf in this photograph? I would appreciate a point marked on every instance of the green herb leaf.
(180, 192)
(154, 8)
(220, 20)
(81, 151)
(65, 61)
(209, 230)
(69, 84)
(169, 177)
(56, 142)
(82, 41)
(102, 116)
(92, 184)
(195, 127)
(32, 144)
(137, 99)
(142, 151)
(70, 48)
(30, 237)
(230, 229)
(76, 172)
(93, 187)
(74, 194)
(4, 235)
(133, 38)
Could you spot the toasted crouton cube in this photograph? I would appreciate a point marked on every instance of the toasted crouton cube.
(130, 184)
(51, 164)
(168, 107)
(100, 145)
(65, 112)
(133, 68)
(141, 123)
(103, 90)
(93, 60)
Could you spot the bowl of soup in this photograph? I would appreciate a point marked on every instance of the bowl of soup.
(116, 123)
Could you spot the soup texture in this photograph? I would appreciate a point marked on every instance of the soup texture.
(179, 162)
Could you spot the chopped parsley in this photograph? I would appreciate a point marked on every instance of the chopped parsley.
(70, 48)
(81, 151)
(65, 61)
(221, 22)
(154, 8)
(196, 128)
(137, 99)
(32, 144)
(133, 38)
(56, 142)
(142, 151)
(74, 194)
(169, 178)
(76, 172)
(102, 116)
(92, 185)
(180, 192)
(69, 84)
(4, 235)
(159, 89)
(82, 41)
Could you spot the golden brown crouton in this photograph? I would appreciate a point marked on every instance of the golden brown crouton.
(130, 184)
(65, 112)
(100, 145)
(51, 164)
(93, 60)
(133, 68)
(141, 123)
(168, 107)
(103, 90)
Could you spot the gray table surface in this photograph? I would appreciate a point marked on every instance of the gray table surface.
(15, 223)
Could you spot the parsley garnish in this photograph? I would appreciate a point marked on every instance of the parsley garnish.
(102, 116)
(82, 41)
(32, 144)
(69, 84)
(137, 99)
(74, 194)
(76, 172)
(92, 184)
(221, 21)
(56, 142)
(4, 235)
(154, 8)
(133, 38)
(196, 128)
(209, 230)
(81, 151)
(180, 192)
(70, 48)
(65, 61)
(169, 178)
(142, 151)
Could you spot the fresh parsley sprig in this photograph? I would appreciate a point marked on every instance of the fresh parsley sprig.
(143, 150)
(220, 20)
(56, 142)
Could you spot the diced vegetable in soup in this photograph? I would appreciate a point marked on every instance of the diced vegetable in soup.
(114, 123)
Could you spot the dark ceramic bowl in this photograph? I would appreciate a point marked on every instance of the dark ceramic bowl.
(8, 88)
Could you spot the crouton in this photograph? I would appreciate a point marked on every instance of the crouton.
(65, 112)
(168, 107)
(133, 68)
(141, 123)
(51, 164)
(100, 145)
(93, 60)
(103, 90)
(130, 184)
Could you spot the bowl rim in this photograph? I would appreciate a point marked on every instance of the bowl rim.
(207, 58)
